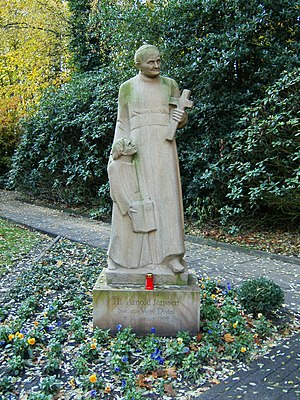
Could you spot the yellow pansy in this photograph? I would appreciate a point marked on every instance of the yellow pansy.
(93, 378)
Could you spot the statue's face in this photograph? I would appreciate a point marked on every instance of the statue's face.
(129, 149)
(150, 64)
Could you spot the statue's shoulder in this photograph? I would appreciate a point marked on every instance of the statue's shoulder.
(168, 82)
(129, 83)
(127, 87)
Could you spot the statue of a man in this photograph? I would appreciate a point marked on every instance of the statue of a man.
(144, 116)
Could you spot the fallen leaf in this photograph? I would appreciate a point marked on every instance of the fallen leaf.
(142, 382)
(228, 338)
(199, 337)
(159, 373)
(171, 372)
(168, 388)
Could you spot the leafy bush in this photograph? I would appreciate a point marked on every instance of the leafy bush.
(64, 151)
(9, 134)
(239, 153)
(260, 295)
(231, 53)
(262, 158)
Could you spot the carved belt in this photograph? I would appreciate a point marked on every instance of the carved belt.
(149, 119)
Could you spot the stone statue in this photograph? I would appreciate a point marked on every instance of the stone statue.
(144, 176)
(133, 210)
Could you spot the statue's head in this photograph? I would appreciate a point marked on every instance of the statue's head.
(122, 147)
(147, 60)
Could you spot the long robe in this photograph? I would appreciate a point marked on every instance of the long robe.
(127, 248)
(143, 117)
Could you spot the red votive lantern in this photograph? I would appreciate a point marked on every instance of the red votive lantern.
(149, 282)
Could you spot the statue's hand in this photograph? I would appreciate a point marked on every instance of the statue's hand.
(178, 115)
(131, 211)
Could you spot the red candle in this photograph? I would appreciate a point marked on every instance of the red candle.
(149, 282)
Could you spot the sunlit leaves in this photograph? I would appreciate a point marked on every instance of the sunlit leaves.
(33, 56)
(238, 154)
(33, 47)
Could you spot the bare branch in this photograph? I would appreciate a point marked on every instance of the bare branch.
(24, 25)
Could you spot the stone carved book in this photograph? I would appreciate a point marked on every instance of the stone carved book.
(143, 220)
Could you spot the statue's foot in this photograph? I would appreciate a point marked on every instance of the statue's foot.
(111, 264)
(176, 266)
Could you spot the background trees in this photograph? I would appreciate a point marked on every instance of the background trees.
(235, 53)
(33, 56)
(240, 152)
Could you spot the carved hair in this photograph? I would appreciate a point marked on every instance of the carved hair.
(141, 51)
(119, 146)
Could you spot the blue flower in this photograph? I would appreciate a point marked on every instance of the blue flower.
(59, 323)
(119, 327)
(124, 359)
(93, 393)
(161, 361)
(209, 331)
(49, 328)
(156, 354)
(185, 350)
(228, 286)
(153, 330)
(117, 369)
(123, 383)
(2, 343)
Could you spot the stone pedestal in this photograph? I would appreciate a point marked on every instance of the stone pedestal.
(162, 276)
(168, 309)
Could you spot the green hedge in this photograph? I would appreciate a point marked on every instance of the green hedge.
(239, 153)
(63, 153)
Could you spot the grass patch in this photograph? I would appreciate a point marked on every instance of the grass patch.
(15, 241)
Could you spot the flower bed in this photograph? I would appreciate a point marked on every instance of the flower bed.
(50, 350)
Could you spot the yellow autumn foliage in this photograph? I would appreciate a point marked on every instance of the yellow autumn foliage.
(33, 49)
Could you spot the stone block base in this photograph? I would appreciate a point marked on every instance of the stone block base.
(168, 309)
(162, 276)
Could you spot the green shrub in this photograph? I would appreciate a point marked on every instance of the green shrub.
(239, 154)
(9, 134)
(65, 147)
(209, 310)
(263, 161)
(260, 295)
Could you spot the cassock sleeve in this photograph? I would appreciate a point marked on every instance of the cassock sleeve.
(122, 126)
(118, 191)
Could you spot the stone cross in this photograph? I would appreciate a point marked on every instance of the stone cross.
(181, 103)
